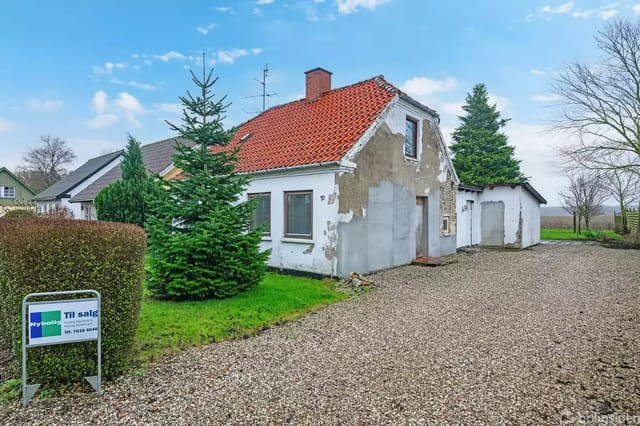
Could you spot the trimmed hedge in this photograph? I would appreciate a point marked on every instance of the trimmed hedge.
(38, 255)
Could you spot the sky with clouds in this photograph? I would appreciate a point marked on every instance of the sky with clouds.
(93, 72)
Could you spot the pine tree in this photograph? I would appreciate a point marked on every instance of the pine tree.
(200, 245)
(481, 155)
(123, 200)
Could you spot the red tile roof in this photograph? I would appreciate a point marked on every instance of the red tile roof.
(310, 132)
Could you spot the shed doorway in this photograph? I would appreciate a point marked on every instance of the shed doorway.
(493, 223)
(422, 227)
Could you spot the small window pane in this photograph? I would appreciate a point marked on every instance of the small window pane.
(299, 211)
(262, 213)
(9, 192)
(410, 138)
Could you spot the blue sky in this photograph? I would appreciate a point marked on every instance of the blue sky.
(91, 72)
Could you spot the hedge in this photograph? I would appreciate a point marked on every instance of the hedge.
(38, 255)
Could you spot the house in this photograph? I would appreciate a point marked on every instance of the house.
(356, 178)
(498, 215)
(14, 192)
(157, 158)
(58, 195)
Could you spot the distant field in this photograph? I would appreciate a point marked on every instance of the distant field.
(566, 222)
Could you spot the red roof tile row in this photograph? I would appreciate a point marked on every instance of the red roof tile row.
(309, 132)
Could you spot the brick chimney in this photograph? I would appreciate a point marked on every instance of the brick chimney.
(318, 82)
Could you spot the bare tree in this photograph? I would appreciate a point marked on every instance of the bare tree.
(584, 196)
(44, 164)
(624, 187)
(601, 102)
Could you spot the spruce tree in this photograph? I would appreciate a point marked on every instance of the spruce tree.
(123, 200)
(481, 154)
(200, 245)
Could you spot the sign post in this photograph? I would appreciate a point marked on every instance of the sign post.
(55, 322)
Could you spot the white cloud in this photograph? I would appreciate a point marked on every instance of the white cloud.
(636, 8)
(130, 106)
(562, 8)
(5, 125)
(545, 98)
(537, 71)
(99, 102)
(206, 30)
(583, 13)
(169, 56)
(101, 121)
(108, 68)
(453, 108)
(350, 6)
(172, 108)
(424, 86)
(502, 103)
(260, 2)
(44, 104)
(607, 13)
(229, 56)
(136, 84)
(224, 9)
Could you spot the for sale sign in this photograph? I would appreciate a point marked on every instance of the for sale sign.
(64, 321)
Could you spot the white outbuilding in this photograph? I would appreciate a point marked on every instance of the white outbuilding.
(505, 215)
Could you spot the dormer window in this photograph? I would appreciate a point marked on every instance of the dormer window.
(411, 138)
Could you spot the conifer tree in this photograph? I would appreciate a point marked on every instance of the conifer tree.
(200, 245)
(123, 200)
(481, 154)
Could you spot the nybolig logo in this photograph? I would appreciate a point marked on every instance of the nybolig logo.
(45, 324)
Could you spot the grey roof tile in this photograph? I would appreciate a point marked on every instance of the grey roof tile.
(73, 179)
(156, 156)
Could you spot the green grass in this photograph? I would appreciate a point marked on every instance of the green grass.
(568, 234)
(166, 326)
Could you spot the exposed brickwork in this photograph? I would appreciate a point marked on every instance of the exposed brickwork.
(448, 192)
(318, 81)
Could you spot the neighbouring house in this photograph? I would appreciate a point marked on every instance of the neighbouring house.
(498, 216)
(351, 179)
(58, 195)
(14, 192)
(157, 159)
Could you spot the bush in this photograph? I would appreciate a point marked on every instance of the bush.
(38, 255)
(20, 213)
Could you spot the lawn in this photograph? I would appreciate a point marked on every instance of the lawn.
(568, 234)
(166, 326)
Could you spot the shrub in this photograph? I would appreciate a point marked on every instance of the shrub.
(20, 213)
(38, 255)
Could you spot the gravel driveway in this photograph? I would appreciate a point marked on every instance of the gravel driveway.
(537, 336)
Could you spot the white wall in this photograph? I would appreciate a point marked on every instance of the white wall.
(465, 217)
(531, 219)
(511, 198)
(314, 255)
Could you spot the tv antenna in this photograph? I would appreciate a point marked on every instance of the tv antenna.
(263, 83)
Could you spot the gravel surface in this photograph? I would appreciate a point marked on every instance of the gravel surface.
(538, 336)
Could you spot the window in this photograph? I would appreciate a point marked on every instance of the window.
(445, 224)
(411, 138)
(262, 213)
(7, 192)
(298, 214)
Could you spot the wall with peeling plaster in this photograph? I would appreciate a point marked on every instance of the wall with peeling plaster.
(316, 255)
(521, 215)
(380, 195)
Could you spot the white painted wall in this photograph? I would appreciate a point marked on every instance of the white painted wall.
(468, 220)
(301, 254)
(531, 217)
(511, 198)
